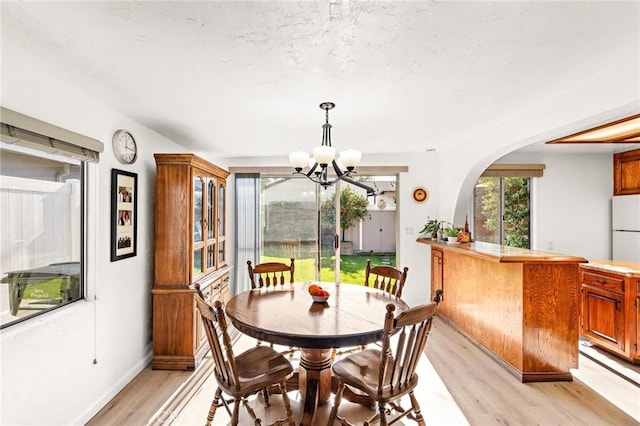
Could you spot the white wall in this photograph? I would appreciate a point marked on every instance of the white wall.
(587, 104)
(47, 363)
(571, 204)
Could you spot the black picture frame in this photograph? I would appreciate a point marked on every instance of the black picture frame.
(124, 214)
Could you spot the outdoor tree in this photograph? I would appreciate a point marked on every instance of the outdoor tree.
(515, 216)
(353, 207)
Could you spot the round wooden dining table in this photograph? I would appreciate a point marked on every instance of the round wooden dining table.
(286, 315)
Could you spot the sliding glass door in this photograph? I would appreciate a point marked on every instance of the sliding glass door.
(330, 237)
(289, 218)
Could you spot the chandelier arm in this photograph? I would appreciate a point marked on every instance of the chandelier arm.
(339, 172)
(370, 190)
(326, 134)
(327, 183)
(311, 170)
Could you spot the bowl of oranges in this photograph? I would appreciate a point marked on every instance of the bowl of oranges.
(318, 294)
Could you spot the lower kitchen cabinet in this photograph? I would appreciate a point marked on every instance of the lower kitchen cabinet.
(609, 316)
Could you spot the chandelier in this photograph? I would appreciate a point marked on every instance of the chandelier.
(324, 155)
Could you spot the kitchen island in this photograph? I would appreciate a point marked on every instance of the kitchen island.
(520, 306)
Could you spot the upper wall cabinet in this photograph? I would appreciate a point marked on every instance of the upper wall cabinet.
(626, 172)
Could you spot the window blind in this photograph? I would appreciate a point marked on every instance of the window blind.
(514, 170)
(20, 129)
(247, 198)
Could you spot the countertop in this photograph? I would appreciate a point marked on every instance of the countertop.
(629, 269)
(502, 254)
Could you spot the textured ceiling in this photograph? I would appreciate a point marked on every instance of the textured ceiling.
(231, 78)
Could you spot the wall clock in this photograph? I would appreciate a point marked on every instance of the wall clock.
(124, 147)
(420, 195)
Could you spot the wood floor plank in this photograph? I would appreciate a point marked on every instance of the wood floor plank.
(459, 384)
(141, 398)
(485, 391)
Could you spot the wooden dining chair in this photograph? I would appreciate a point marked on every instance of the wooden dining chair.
(387, 374)
(241, 376)
(271, 273)
(385, 278)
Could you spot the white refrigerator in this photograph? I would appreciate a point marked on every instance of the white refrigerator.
(625, 224)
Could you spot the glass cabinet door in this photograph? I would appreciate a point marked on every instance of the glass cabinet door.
(211, 222)
(198, 225)
(221, 224)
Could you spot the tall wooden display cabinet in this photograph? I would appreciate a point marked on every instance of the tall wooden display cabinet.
(190, 248)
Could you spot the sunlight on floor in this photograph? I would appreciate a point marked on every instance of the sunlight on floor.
(438, 407)
(627, 395)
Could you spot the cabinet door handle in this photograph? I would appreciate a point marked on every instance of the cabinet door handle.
(618, 306)
(438, 296)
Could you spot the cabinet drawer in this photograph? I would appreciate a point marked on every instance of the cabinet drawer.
(207, 293)
(603, 281)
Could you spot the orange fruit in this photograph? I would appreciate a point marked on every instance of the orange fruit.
(313, 289)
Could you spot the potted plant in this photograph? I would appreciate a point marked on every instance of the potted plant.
(452, 234)
(431, 228)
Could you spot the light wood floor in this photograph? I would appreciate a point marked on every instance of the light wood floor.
(460, 385)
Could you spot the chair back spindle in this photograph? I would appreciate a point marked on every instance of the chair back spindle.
(397, 367)
(270, 274)
(215, 326)
(386, 278)
(388, 374)
(259, 367)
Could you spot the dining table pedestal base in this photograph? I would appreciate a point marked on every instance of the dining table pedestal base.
(314, 378)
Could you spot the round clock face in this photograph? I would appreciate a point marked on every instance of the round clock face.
(420, 195)
(124, 147)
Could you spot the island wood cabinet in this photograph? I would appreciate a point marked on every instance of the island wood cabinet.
(190, 248)
(520, 306)
(609, 317)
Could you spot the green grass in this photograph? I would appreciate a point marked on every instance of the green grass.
(352, 267)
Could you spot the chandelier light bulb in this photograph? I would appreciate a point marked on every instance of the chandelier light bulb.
(324, 154)
(299, 159)
(350, 158)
